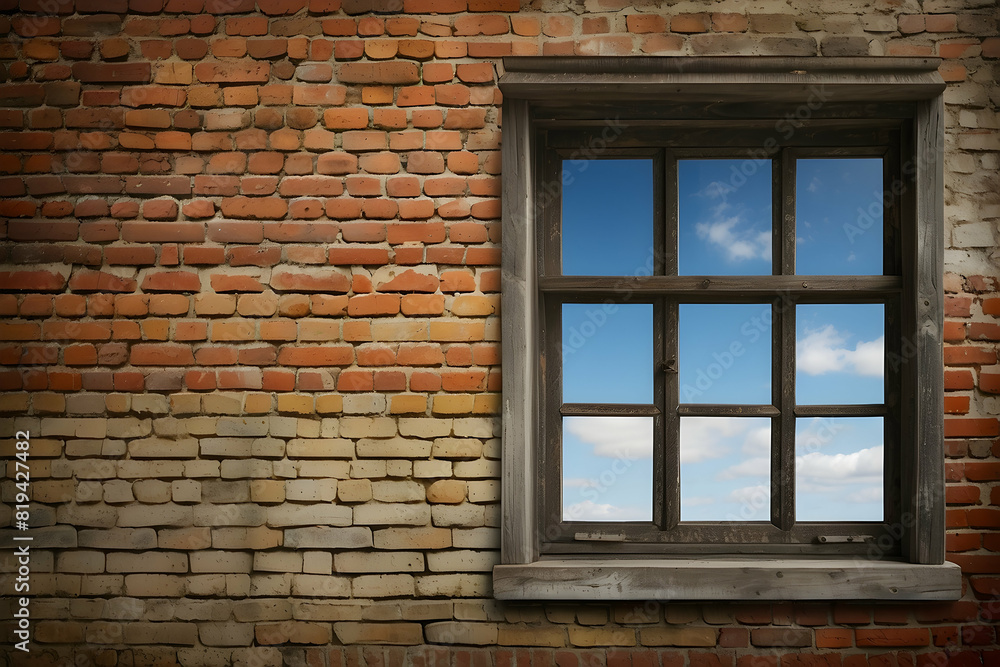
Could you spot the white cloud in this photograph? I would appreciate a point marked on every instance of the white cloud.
(627, 438)
(588, 510)
(826, 469)
(824, 351)
(814, 184)
(758, 441)
(697, 501)
(757, 494)
(731, 233)
(579, 483)
(759, 466)
(704, 438)
(819, 431)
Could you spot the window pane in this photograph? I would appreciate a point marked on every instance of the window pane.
(607, 465)
(607, 217)
(725, 353)
(725, 469)
(838, 469)
(838, 213)
(840, 354)
(724, 217)
(607, 352)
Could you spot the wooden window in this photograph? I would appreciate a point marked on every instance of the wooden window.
(693, 249)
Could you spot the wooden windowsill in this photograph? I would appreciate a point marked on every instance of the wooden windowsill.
(717, 578)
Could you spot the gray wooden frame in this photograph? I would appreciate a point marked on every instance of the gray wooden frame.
(548, 91)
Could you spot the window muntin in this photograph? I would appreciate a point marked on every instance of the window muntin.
(747, 232)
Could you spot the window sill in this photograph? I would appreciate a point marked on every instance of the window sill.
(726, 579)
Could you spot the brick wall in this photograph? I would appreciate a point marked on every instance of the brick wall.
(250, 312)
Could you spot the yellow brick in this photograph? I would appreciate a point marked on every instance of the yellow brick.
(527, 635)
(354, 490)
(398, 330)
(180, 404)
(447, 491)
(601, 636)
(301, 404)
(418, 537)
(258, 404)
(457, 331)
(267, 491)
(48, 403)
(123, 402)
(17, 403)
(327, 404)
(487, 404)
(474, 305)
(453, 404)
(408, 404)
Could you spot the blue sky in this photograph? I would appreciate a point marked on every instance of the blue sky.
(724, 229)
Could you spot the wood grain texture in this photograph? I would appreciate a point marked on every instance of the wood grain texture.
(726, 579)
(518, 543)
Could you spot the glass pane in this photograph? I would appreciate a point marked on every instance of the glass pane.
(840, 354)
(838, 213)
(724, 217)
(838, 469)
(607, 352)
(607, 469)
(607, 217)
(725, 469)
(725, 353)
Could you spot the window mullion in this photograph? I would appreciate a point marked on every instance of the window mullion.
(783, 356)
(671, 471)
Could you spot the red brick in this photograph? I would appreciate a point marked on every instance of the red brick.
(645, 23)
(367, 305)
(160, 209)
(989, 382)
(984, 331)
(254, 208)
(334, 355)
(355, 380)
(311, 186)
(956, 404)
(360, 255)
(112, 72)
(235, 283)
(157, 354)
(892, 637)
(465, 119)
(379, 163)
(956, 427)
(954, 332)
(958, 380)
(171, 281)
(302, 232)
(251, 256)
(380, 72)
(236, 71)
(98, 281)
(236, 232)
(991, 47)
(316, 280)
(959, 306)
(34, 281)
(967, 356)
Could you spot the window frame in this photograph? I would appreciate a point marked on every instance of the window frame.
(540, 91)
